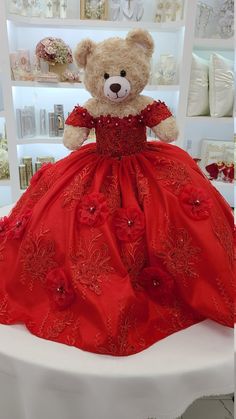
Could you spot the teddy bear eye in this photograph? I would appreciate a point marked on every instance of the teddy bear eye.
(123, 73)
(106, 76)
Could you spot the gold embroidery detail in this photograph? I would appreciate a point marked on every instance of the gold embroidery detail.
(134, 256)
(111, 190)
(91, 263)
(77, 188)
(179, 254)
(142, 186)
(4, 310)
(173, 174)
(224, 235)
(37, 257)
(119, 344)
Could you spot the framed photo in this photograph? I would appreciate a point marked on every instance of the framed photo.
(94, 9)
(217, 159)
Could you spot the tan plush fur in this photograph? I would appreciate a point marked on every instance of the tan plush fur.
(111, 56)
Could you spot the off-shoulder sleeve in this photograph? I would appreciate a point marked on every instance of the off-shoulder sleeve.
(80, 117)
(155, 113)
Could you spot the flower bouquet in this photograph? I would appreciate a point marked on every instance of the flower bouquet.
(56, 53)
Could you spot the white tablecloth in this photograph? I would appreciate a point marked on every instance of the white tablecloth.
(40, 379)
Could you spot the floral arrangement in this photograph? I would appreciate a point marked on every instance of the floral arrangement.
(54, 51)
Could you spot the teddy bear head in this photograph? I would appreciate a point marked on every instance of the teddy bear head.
(116, 69)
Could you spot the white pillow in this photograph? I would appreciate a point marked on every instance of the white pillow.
(221, 86)
(198, 98)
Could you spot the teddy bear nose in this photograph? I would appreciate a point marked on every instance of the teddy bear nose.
(115, 87)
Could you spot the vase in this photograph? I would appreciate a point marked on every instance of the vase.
(58, 68)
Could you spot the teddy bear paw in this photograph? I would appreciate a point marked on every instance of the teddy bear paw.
(74, 137)
(167, 130)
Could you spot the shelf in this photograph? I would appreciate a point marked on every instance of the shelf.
(227, 190)
(162, 87)
(40, 140)
(210, 119)
(21, 83)
(150, 87)
(5, 182)
(216, 44)
(24, 21)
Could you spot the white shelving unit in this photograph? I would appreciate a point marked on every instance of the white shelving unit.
(177, 38)
(194, 129)
(64, 85)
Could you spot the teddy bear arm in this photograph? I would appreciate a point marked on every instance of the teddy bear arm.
(166, 130)
(74, 137)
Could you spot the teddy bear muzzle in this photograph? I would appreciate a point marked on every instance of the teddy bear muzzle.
(117, 88)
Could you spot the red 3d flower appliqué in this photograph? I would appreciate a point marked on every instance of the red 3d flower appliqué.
(129, 224)
(60, 289)
(93, 209)
(156, 281)
(195, 202)
(4, 226)
(17, 227)
(39, 173)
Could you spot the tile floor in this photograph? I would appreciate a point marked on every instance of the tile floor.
(211, 408)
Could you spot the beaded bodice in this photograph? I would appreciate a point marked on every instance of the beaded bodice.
(117, 136)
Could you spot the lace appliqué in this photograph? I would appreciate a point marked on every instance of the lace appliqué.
(173, 175)
(119, 345)
(178, 253)
(4, 315)
(77, 188)
(111, 190)
(142, 187)
(227, 299)
(2, 248)
(175, 317)
(90, 264)
(36, 191)
(224, 234)
(74, 337)
(55, 323)
(37, 256)
(134, 258)
(221, 318)
(120, 136)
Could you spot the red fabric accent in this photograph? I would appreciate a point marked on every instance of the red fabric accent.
(93, 209)
(114, 136)
(129, 224)
(80, 117)
(86, 278)
(195, 202)
(60, 290)
(155, 113)
(156, 282)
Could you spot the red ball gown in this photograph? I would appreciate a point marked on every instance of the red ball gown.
(118, 245)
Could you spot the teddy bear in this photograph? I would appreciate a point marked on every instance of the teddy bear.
(121, 242)
(116, 83)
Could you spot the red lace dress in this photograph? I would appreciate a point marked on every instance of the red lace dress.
(118, 245)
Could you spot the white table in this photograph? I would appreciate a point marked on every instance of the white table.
(40, 379)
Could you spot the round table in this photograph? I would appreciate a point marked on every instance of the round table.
(43, 379)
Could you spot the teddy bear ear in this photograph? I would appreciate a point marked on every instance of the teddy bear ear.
(82, 51)
(143, 39)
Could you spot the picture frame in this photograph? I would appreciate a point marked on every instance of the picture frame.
(213, 151)
(94, 9)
